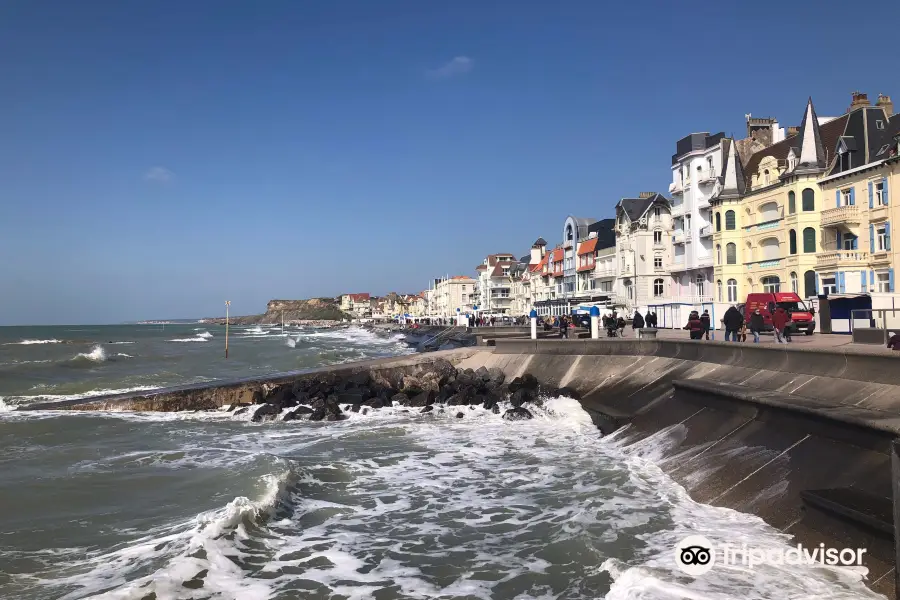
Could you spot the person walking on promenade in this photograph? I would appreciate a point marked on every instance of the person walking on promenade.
(894, 342)
(779, 321)
(620, 326)
(563, 328)
(705, 321)
(653, 324)
(695, 326)
(637, 323)
(733, 320)
(756, 325)
(788, 326)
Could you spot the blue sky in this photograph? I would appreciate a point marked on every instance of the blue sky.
(160, 157)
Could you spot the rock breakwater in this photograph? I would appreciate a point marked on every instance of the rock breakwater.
(433, 386)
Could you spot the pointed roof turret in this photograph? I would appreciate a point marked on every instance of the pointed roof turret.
(731, 183)
(809, 141)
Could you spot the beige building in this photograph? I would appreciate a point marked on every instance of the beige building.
(358, 305)
(494, 291)
(452, 296)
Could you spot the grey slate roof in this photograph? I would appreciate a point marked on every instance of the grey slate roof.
(732, 181)
(636, 207)
(539, 242)
(809, 140)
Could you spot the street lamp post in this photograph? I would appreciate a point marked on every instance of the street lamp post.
(227, 304)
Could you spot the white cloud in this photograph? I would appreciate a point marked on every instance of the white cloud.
(159, 175)
(456, 67)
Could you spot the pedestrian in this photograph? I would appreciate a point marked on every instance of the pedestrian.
(637, 323)
(493, 320)
(788, 326)
(779, 321)
(694, 326)
(756, 325)
(563, 328)
(620, 326)
(705, 321)
(733, 321)
(653, 322)
(894, 342)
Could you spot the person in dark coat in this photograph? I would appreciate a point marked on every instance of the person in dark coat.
(637, 323)
(705, 321)
(653, 324)
(620, 326)
(757, 324)
(779, 321)
(563, 327)
(894, 342)
(732, 321)
(695, 326)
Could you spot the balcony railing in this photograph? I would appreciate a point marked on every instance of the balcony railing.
(704, 262)
(676, 188)
(840, 215)
(708, 176)
(605, 272)
(678, 237)
(842, 258)
(678, 210)
(706, 231)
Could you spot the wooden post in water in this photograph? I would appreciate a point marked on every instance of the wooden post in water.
(227, 304)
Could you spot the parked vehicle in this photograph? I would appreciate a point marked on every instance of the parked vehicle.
(802, 317)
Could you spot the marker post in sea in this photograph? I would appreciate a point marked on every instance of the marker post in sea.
(227, 304)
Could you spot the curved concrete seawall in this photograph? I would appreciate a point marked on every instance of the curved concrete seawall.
(802, 438)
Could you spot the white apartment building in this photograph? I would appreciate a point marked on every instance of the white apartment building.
(494, 291)
(643, 252)
(696, 166)
(603, 276)
(451, 296)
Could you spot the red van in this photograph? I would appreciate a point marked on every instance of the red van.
(803, 318)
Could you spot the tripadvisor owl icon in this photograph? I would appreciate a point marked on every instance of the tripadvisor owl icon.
(695, 555)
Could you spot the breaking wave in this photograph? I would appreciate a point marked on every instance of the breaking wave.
(30, 342)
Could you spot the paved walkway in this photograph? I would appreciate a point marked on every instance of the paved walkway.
(817, 340)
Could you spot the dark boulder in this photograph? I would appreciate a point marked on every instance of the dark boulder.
(443, 370)
(495, 409)
(335, 417)
(497, 376)
(482, 373)
(459, 415)
(401, 399)
(423, 399)
(517, 414)
(428, 408)
(360, 380)
(297, 413)
(351, 397)
(331, 405)
(529, 381)
(515, 385)
(374, 403)
(521, 396)
(355, 408)
(242, 410)
(568, 393)
(265, 410)
(318, 414)
(259, 397)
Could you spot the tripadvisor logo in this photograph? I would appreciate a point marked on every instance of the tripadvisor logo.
(696, 555)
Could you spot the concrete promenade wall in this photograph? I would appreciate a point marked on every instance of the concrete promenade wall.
(798, 437)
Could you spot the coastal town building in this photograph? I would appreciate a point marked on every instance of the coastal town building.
(644, 228)
(494, 285)
(358, 305)
(452, 296)
(696, 165)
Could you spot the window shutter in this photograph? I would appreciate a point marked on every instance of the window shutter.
(817, 285)
(862, 281)
(885, 191)
(891, 280)
(840, 282)
(872, 278)
(871, 239)
(837, 198)
(852, 196)
(840, 246)
(871, 195)
(887, 236)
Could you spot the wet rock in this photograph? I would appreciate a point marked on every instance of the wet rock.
(517, 414)
(530, 382)
(259, 397)
(521, 396)
(497, 377)
(482, 373)
(265, 410)
(242, 410)
(428, 408)
(351, 397)
(365, 411)
(423, 399)
(495, 409)
(331, 405)
(318, 414)
(335, 417)
(297, 413)
(374, 403)
(355, 408)
(401, 399)
(459, 415)
(568, 393)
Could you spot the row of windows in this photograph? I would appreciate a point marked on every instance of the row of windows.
(809, 246)
(771, 285)
(808, 205)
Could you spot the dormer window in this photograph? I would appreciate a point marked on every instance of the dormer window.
(709, 166)
(766, 177)
(879, 124)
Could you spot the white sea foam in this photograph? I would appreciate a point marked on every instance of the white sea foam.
(97, 354)
(197, 338)
(123, 355)
(30, 342)
(118, 343)
(21, 400)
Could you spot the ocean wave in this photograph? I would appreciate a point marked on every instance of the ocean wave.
(198, 338)
(30, 342)
(119, 343)
(17, 400)
(206, 550)
(123, 355)
(96, 355)
(257, 330)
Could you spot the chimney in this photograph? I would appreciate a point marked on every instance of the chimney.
(859, 99)
(646, 194)
(793, 130)
(886, 104)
